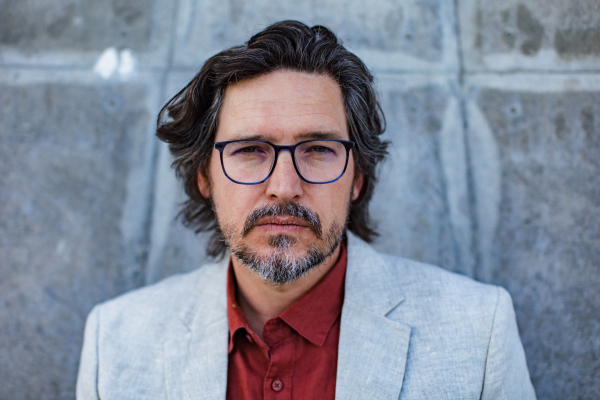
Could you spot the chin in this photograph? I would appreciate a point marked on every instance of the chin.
(280, 266)
(285, 260)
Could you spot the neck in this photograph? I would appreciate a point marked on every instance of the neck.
(261, 300)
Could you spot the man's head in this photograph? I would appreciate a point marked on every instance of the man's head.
(289, 83)
(283, 226)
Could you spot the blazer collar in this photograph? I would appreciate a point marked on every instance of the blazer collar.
(372, 349)
(208, 302)
(369, 278)
(196, 361)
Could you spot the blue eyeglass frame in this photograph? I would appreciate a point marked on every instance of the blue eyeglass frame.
(348, 145)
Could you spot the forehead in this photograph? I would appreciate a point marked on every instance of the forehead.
(283, 106)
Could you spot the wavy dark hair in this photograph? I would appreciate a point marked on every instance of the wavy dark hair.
(188, 122)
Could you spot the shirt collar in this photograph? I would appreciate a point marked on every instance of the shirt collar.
(312, 316)
(236, 318)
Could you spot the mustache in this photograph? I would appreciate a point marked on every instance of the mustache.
(291, 209)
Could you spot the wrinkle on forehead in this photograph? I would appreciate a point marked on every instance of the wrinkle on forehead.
(282, 102)
(262, 104)
(290, 85)
(290, 115)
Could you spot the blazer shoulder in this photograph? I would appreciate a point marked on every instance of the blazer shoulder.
(157, 293)
(126, 338)
(161, 301)
(422, 287)
(422, 279)
(457, 324)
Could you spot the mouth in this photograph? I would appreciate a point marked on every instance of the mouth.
(290, 217)
(282, 224)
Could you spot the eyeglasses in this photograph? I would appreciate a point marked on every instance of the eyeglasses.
(250, 162)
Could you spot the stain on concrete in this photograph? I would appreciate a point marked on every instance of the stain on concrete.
(572, 29)
(236, 10)
(415, 30)
(506, 29)
(478, 24)
(395, 26)
(48, 98)
(572, 43)
(531, 28)
(509, 38)
(112, 102)
(14, 28)
(392, 24)
(423, 110)
(587, 124)
(513, 109)
(62, 22)
(30, 25)
(128, 11)
(560, 126)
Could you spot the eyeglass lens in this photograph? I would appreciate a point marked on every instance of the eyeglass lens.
(317, 161)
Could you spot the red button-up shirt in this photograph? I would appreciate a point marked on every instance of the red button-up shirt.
(298, 358)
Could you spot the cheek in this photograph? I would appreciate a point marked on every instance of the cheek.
(334, 202)
(233, 202)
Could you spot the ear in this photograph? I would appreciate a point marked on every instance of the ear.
(357, 185)
(203, 184)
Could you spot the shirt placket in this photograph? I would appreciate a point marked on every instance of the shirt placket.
(279, 337)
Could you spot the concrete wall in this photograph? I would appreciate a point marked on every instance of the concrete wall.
(493, 109)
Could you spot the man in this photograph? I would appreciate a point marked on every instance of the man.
(277, 143)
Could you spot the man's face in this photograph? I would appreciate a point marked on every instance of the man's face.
(284, 221)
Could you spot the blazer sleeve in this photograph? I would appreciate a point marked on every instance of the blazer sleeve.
(87, 378)
(506, 373)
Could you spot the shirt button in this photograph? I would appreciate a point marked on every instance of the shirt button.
(277, 385)
(249, 337)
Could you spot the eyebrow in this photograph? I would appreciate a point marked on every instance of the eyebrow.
(298, 138)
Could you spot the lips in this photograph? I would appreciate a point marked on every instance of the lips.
(291, 221)
(283, 217)
(282, 224)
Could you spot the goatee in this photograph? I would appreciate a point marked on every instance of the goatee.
(282, 266)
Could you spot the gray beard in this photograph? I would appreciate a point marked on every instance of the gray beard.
(282, 266)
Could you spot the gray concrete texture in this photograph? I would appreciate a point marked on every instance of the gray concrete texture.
(394, 34)
(544, 35)
(75, 192)
(541, 241)
(72, 32)
(493, 114)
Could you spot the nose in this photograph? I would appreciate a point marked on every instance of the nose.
(284, 184)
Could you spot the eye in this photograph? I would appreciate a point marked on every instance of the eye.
(247, 150)
(319, 149)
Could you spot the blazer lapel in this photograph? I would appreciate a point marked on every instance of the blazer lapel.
(196, 362)
(372, 348)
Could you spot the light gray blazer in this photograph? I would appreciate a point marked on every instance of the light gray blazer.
(408, 331)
